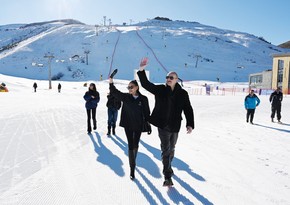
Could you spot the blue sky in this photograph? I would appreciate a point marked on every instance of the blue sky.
(263, 18)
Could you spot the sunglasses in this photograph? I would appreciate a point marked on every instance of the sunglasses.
(130, 87)
(170, 77)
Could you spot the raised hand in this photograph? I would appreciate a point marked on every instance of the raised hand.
(143, 63)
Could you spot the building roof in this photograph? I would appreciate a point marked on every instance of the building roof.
(281, 55)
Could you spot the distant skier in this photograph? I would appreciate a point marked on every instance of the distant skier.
(276, 99)
(35, 86)
(92, 98)
(135, 111)
(59, 87)
(113, 105)
(251, 102)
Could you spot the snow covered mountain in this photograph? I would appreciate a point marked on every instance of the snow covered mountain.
(90, 52)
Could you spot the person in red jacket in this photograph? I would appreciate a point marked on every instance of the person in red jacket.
(170, 101)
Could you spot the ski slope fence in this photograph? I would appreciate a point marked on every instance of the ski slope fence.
(222, 91)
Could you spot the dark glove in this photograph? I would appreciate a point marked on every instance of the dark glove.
(149, 129)
(113, 73)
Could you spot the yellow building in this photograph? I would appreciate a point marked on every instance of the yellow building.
(281, 73)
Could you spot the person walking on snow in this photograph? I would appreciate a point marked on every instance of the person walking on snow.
(113, 105)
(35, 86)
(170, 101)
(251, 102)
(59, 87)
(92, 98)
(135, 111)
(276, 99)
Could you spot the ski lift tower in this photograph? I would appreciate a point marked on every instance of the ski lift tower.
(50, 57)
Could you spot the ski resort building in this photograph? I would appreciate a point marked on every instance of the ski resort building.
(281, 73)
(261, 80)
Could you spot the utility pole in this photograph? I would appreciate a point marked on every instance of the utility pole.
(96, 30)
(110, 22)
(104, 20)
(87, 58)
(49, 56)
(197, 56)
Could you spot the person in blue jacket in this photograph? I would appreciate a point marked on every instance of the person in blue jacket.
(251, 102)
(92, 98)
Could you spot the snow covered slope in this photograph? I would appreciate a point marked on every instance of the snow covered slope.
(46, 156)
(83, 52)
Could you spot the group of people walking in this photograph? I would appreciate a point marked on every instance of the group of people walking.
(170, 101)
(252, 101)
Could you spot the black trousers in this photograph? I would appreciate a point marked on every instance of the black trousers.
(91, 114)
(250, 114)
(276, 109)
(133, 138)
(168, 141)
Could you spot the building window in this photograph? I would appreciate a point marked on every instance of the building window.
(280, 71)
(256, 79)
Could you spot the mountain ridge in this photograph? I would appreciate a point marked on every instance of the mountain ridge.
(194, 50)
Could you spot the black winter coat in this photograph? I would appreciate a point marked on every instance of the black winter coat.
(113, 102)
(168, 105)
(276, 99)
(134, 111)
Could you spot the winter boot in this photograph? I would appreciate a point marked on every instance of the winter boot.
(89, 128)
(109, 130)
(113, 129)
(168, 182)
(132, 163)
(95, 124)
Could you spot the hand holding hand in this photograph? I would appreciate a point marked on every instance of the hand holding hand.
(143, 63)
(189, 129)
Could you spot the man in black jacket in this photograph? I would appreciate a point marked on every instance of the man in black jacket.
(276, 98)
(170, 101)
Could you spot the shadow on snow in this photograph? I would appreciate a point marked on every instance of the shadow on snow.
(274, 128)
(106, 157)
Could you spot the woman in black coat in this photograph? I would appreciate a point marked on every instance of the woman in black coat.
(135, 111)
(92, 98)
